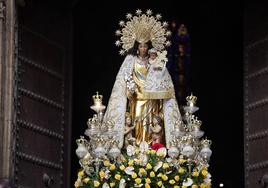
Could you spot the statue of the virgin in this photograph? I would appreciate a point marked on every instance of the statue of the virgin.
(143, 87)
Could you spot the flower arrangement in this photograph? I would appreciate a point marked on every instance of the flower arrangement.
(183, 164)
(146, 167)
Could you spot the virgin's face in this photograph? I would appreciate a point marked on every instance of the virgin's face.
(143, 49)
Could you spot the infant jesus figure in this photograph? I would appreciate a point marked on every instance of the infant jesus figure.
(157, 130)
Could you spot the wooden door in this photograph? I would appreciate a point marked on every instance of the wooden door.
(43, 96)
(256, 95)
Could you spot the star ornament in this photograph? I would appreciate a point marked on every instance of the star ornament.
(129, 16)
(138, 12)
(121, 23)
(149, 12)
(158, 16)
(122, 52)
(117, 32)
(117, 43)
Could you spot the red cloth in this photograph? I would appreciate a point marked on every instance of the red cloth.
(157, 146)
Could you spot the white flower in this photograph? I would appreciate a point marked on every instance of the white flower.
(162, 152)
(158, 165)
(129, 170)
(105, 185)
(187, 183)
(130, 150)
(207, 180)
(122, 183)
(143, 159)
(107, 174)
(144, 147)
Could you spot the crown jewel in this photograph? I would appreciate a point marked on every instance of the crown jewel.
(142, 28)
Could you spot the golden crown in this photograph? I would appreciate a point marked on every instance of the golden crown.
(98, 106)
(142, 28)
(206, 143)
(191, 100)
(81, 140)
(97, 99)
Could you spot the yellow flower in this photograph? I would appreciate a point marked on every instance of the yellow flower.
(147, 180)
(112, 167)
(202, 185)
(122, 167)
(161, 154)
(102, 174)
(159, 184)
(117, 176)
(77, 183)
(134, 175)
(195, 174)
(194, 186)
(96, 184)
(152, 174)
(86, 180)
(177, 178)
(204, 167)
(131, 162)
(183, 186)
(81, 173)
(160, 175)
(153, 152)
(106, 163)
(138, 180)
(149, 166)
(137, 151)
(176, 186)
(181, 170)
(172, 182)
(181, 161)
(164, 177)
(147, 185)
(165, 166)
(137, 161)
(112, 184)
(204, 172)
(142, 171)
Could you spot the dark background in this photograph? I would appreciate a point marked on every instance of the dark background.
(216, 32)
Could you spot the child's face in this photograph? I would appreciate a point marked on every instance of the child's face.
(153, 56)
(128, 121)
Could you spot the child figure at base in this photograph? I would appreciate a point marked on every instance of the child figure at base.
(129, 139)
(157, 130)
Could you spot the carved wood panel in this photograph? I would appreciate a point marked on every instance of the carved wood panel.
(256, 113)
(40, 119)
